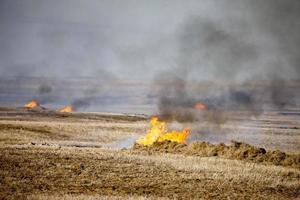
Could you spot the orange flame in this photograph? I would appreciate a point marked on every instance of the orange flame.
(200, 106)
(32, 104)
(159, 133)
(67, 109)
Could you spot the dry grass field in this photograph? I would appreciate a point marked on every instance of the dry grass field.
(50, 155)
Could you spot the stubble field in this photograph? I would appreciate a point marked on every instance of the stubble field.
(49, 155)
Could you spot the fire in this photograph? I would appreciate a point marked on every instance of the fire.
(200, 106)
(67, 109)
(32, 104)
(159, 133)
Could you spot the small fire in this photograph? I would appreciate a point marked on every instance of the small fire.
(200, 106)
(159, 133)
(32, 104)
(67, 109)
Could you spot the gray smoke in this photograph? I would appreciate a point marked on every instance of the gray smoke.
(228, 43)
(280, 19)
(45, 93)
(282, 94)
(86, 99)
(92, 91)
(225, 52)
(174, 103)
(204, 44)
(44, 89)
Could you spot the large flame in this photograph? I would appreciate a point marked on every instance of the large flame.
(67, 109)
(159, 133)
(32, 104)
(200, 106)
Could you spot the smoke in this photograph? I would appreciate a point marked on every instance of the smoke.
(92, 90)
(203, 45)
(44, 89)
(280, 20)
(282, 94)
(45, 93)
(206, 46)
(174, 102)
(86, 99)
(81, 93)
(223, 43)
(238, 55)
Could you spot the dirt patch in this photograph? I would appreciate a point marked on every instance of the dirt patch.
(237, 150)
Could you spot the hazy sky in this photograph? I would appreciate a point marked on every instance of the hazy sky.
(137, 39)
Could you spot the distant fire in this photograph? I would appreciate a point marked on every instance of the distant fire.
(159, 133)
(67, 109)
(200, 106)
(32, 104)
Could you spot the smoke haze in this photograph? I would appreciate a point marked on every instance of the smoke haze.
(188, 51)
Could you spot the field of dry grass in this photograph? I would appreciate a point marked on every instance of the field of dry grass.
(48, 155)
